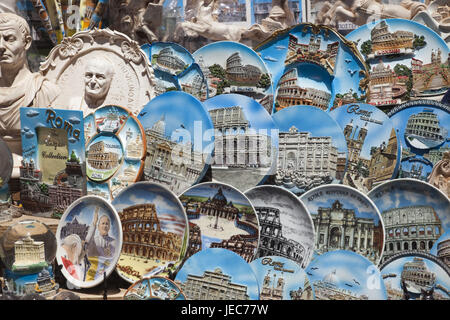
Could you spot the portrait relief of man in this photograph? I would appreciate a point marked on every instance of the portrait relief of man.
(100, 243)
(72, 255)
(19, 87)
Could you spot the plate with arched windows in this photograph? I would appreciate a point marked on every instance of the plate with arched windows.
(415, 215)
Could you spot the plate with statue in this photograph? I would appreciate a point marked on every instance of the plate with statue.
(345, 219)
(280, 278)
(89, 241)
(245, 142)
(286, 227)
(312, 149)
(154, 288)
(6, 163)
(415, 215)
(231, 67)
(115, 148)
(220, 216)
(155, 231)
(217, 268)
(407, 61)
(314, 65)
(345, 275)
(422, 128)
(372, 143)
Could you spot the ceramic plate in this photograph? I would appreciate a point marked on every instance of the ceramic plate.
(233, 277)
(220, 216)
(180, 138)
(281, 279)
(154, 288)
(414, 213)
(314, 66)
(193, 81)
(373, 146)
(89, 241)
(286, 227)
(345, 219)
(231, 67)
(6, 163)
(115, 148)
(407, 60)
(345, 275)
(155, 231)
(416, 277)
(246, 141)
(312, 149)
(422, 128)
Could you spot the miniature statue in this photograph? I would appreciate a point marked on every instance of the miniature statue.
(440, 176)
(19, 87)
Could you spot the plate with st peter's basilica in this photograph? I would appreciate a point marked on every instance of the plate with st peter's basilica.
(286, 227)
(220, 216)
(345, 219)
(155, 231)
(415, 215)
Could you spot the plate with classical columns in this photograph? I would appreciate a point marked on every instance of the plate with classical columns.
(415, 215)
(345, 219)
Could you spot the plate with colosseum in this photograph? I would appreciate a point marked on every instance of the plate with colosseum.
(415, 215)
(345, 219)
(155, 231)
(175, 69)
(231, 67)
(407, 61)
(314, 65)
(422, 128)
(115, 148)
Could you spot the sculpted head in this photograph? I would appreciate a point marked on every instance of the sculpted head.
(98, 75)
(15, 40)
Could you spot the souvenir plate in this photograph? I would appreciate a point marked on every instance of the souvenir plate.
(154, 288)
(231, 67)
(155, 231)
(180, 135)
(245, 143)
(407, 60)
(414, 213)
(373, 146)
(281, 279)
(345, 275)
(115, 148)
(89, 241)
(422, 128)
(312, 149)
(314, 66)
(6, 163)
(53, 169)
(220, 216)
(286, 228)
(233, 272)
(416, 277)
(345, 219)
(193, 81)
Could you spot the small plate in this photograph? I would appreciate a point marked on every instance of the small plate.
(414, 213)
(220, 216)
(373, 146)
(345, 275)
(154, 288)
(286, 227)
(6, 163)
(345, 219)
(155, 230)
(312, 149)
(226, 268)
(89, 241)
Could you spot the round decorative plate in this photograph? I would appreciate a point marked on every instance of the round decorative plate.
(226, 268)
(286, 227)
(154, 288)
(312, 149)
(6, 163)
(155, 231)
(220, 216)
(89, 241)
(179, 134)
(345, 219)
(415, 214)
(372, 143)
(115, 150)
